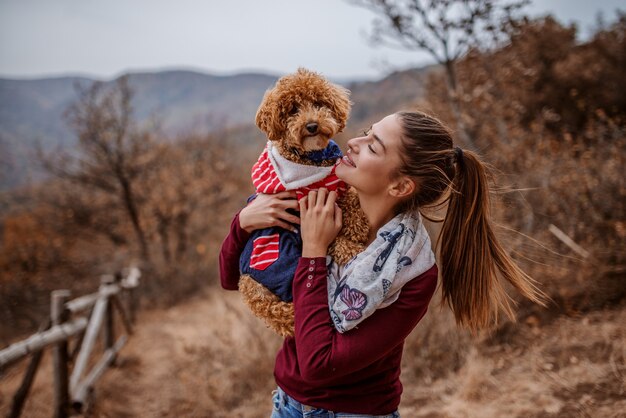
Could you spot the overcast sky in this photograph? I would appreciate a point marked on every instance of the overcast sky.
(104, 38)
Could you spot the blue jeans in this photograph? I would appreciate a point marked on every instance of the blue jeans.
(284, 406)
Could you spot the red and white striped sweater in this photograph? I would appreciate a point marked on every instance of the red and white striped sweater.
(273, 173)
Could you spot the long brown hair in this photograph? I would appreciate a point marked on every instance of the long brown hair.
(473, 262)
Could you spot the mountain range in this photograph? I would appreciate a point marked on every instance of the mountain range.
(183, 102)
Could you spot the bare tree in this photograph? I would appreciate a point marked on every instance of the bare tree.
(446, 29)
(112, 153)
(194, 178)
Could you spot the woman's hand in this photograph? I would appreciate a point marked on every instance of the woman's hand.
(320, 222)
(268, 210)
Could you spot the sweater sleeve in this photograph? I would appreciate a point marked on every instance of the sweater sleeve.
(322, 351)
(232, 247)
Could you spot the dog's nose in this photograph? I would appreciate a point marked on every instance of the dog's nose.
(311, 127)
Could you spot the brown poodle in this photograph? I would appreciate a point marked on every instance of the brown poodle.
(299, 115)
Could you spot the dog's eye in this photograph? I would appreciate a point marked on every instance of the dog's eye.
(319, 104)
(293, 110)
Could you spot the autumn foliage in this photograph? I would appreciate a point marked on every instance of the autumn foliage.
(543, 107)
(548, 111)
(125, 195)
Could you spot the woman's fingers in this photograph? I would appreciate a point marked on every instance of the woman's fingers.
(331, 203)
(338, 217)
(303, 209)
(290, 218)
(332, 198)
(287, 200)
(312, 199)
(288, 194)
(321, 221)
(289, 204)
(321, 197)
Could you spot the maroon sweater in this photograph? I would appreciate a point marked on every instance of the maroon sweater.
(358, 371)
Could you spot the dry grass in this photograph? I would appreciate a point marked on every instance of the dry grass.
(210, 358)
(572, 367)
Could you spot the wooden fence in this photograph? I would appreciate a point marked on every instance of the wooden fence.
(68, 319)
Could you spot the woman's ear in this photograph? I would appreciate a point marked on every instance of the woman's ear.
(402, 187)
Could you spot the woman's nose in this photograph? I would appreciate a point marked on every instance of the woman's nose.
(353, 144)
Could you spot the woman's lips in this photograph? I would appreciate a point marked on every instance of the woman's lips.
(348, 161)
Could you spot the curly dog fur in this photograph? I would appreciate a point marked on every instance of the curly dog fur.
(297, 102)
(302, 113)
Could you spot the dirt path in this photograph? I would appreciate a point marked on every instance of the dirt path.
(202, 358)
(189, 360)
(209, 357)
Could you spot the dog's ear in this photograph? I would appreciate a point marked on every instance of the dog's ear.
(268, 116)
(340, 104)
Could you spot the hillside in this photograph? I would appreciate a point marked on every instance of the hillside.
(31, 111)
(182, 102)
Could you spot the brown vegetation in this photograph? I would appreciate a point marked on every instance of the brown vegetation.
(124, 196)
(546, 110)
(535, 112)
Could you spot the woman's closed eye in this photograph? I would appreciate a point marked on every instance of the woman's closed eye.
(366, 133)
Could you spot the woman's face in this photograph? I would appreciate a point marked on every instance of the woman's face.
(372, 159)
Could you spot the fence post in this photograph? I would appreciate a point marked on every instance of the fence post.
(109, 331)
(20, 396)
(130, 292)
(132, 304)
(58, 315)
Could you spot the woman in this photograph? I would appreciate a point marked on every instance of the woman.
(403, 163)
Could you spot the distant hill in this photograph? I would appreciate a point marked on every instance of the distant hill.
(31, 111)
(182, 100)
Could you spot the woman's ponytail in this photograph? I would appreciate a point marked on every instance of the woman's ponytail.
(473, 262)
